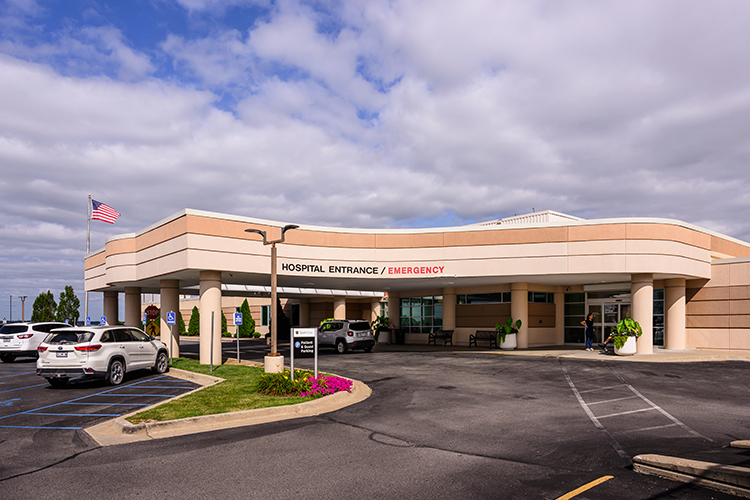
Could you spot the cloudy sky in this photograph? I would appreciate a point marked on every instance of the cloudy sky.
(362, 113)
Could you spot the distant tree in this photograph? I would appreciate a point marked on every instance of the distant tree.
(67, 308)
(44, 307)
(194, 327)
(247, 328)
(180, 324)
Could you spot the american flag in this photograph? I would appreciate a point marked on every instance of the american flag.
(103, 212)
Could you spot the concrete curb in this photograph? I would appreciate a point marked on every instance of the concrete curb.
(725, 478)
(740, 444)
(119, 430)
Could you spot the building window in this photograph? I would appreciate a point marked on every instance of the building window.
(483, 298)
(659, 316)
(422, 314)
(542, 297)
(265, 314)
(575, 312)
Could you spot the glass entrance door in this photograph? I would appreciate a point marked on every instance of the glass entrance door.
(606, 316)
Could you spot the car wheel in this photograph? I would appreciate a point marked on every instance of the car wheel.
(162, 363)
(57, 383)
(7, 358)
(116, 372)
(341, 347)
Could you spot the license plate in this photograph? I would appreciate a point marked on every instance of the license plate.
(62, 354)
(6, 340)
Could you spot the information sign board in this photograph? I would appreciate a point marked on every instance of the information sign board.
(171, 318)
(303, 340)
(237, 318)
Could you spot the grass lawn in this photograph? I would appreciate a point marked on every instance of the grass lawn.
(237, 392)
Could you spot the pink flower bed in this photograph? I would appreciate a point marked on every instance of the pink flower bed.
(322, 386)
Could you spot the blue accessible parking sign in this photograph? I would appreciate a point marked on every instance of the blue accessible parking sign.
(171, 320)
(237, 318)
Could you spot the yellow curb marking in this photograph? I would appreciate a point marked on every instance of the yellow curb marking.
(585, 487)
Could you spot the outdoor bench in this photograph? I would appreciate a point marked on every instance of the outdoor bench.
(445, 335)
(490, 335)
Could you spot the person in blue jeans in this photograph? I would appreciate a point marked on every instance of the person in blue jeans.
(589, 324)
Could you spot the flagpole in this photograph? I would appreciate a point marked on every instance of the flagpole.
(88, 249)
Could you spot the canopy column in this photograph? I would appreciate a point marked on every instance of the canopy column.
(170, 302)
(642, 298)
(519, 309)
(111, 307)
(210, 302)
(133, 315)
(674, 301)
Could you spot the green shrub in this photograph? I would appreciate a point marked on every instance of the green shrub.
(247, 328)
(194, 327)
(281, 384)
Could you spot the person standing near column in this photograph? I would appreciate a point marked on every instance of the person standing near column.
(589, 324)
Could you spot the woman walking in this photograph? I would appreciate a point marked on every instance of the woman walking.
(589, 324)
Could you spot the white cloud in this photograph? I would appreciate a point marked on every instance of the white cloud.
(402, 112)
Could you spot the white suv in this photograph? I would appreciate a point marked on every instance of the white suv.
(106, 352)
(22, 339)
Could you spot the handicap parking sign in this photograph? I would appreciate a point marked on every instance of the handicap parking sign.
(103, 320)
(170, 318)
(237, 318)
(88, 320)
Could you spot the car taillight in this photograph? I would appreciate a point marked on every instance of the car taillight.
(41, 348)
(87, 348)
(25, 336)
(350, 333)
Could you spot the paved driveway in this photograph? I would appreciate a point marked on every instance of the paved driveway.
(438, 425)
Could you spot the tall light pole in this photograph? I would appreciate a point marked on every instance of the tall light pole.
(11, 309)
(23, 307)
(274, 319)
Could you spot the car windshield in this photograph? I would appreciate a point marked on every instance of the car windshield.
(362, 325)
(13, 329)
(61, 338)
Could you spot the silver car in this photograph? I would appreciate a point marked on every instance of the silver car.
(21, 339)
(346, 334)
(107, 352)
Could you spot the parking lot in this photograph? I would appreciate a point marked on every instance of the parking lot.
(438, 425)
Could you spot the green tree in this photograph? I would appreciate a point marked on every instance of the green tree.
(224, 330)
(44, 307)
(180, 324)
(194, 327)
(67, 308)
(247, 328)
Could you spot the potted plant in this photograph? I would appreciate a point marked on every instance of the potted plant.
(381, 328)
(624, 337)
(506, 334)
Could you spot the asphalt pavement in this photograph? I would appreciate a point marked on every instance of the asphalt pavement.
(440, 423)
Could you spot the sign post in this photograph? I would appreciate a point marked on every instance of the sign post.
(238, 323)
(304, 343)
(171, 320)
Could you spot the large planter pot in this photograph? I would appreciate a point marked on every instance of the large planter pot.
(509, 343)
(628, 349)
(384, 337)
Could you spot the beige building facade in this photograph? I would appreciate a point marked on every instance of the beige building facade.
(687, 286)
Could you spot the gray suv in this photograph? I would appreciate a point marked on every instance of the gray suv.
(345, 334)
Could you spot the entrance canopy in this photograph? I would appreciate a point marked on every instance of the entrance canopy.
(561, 251)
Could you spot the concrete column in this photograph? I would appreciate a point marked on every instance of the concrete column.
(674, 318)
(133, 314)
(642, 297)
(304, 313)
(169, 293)
(374, 309)
(210, 301)
(339, 308)
(449, 308)
(559, 318)
(111, 307)
(519, 309)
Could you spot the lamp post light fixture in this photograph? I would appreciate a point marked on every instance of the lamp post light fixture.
(23, 306)
(274, 319)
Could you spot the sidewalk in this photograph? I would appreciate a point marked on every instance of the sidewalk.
(659, 355)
